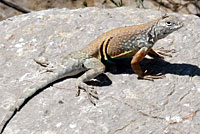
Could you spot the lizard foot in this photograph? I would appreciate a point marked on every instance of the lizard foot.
(42, 61)
(91, 93)
(152, 77)
(164, 52)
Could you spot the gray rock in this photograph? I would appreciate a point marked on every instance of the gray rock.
(127, 105)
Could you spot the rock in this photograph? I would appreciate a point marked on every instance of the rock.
(127, 105)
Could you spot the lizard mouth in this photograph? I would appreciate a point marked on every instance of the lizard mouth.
(179, 25)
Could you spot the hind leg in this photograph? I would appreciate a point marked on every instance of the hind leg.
(94, 68)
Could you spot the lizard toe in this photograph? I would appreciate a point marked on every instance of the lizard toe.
(91, 93)
(152, 77)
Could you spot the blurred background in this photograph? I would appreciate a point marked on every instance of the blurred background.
(9, 8)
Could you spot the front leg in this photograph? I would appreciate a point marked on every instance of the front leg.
(94, 68)
(139, 56)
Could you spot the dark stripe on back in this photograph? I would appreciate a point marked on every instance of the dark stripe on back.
(106, 47)
(101, 51)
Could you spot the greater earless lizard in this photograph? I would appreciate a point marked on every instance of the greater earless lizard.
(124, 42)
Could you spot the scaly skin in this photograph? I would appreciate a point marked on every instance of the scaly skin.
(124, 42)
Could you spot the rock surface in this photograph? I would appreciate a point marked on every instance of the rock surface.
(127, 105)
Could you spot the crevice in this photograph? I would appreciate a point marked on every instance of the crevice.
(172, 92)
(139, 111)
(150, 116)
(189, 116)
(188, 92)
(169, 95)
(125, 126)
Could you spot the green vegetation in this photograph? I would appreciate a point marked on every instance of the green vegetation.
(85, 4)
(139, 3)
(120, 4)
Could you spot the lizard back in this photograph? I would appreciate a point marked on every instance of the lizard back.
(117, 42)
(125, 42)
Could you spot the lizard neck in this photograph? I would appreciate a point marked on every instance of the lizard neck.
(155, 33)
(152, 35)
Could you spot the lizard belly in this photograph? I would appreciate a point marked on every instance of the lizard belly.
(123, 55)
(113, 58)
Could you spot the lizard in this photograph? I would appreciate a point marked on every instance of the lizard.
(134, 42)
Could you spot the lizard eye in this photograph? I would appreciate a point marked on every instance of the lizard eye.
(168, 23)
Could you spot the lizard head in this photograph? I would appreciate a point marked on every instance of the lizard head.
(166, 25)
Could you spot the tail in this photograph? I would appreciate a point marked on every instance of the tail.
(25, 97)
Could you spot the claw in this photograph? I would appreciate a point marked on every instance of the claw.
(78, 92)
(166, 50)
(152, 77)
(164, 54)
